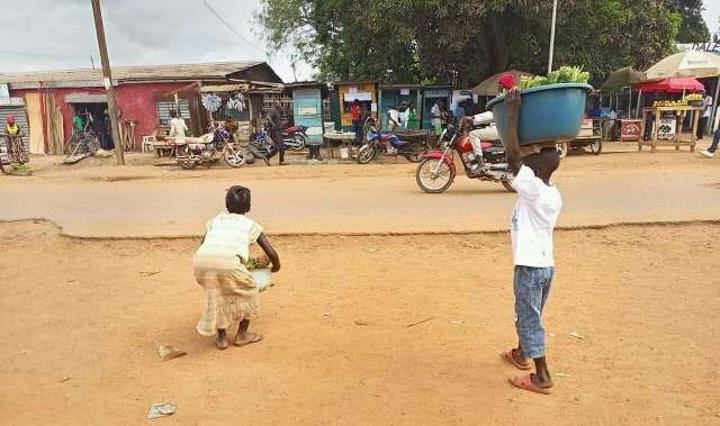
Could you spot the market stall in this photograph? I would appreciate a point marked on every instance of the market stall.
(364, 91)
(431, 94)
(662, 123)
(392, 96)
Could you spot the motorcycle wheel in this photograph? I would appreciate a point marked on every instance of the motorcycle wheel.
(437, 184)
(506, 184)
(187, 163)
(299, 142)
(366, 154)
(234, 157)
(92, 144)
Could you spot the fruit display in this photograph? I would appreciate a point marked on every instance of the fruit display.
(670, 104)
(564, 74)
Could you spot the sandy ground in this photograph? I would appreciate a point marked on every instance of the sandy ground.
(100, 200)
(81, 321)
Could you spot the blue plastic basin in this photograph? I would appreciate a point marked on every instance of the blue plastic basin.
(547, 114)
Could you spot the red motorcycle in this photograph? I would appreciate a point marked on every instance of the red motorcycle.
(437, 171)
(294, 137)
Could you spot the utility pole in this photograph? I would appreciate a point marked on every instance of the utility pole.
(552, 36)
(107, 81)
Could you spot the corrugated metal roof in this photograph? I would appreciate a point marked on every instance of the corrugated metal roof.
(205, 71)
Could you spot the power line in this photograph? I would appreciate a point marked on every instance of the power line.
(230, 27)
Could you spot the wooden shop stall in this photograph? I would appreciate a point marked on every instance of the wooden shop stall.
(363, 91)
(671, 119)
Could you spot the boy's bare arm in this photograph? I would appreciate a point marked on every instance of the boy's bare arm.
(512, 145)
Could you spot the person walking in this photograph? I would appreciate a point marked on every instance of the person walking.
(275, 126)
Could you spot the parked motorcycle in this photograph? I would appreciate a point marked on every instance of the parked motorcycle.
(379, 142)
(208, 149)
(437, 171)
(294, 137)
(260, 146)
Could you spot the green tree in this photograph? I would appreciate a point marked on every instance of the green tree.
(693, 28)
(462, 42)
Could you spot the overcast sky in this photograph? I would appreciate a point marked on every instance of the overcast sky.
(54, 34)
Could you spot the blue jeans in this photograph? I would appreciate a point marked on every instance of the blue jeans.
(532, 288)
(357, 128)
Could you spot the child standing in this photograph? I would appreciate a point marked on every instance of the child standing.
(532, 224)
(231, 295)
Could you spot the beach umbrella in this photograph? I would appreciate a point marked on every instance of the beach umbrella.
(489, 87)
(690, 63)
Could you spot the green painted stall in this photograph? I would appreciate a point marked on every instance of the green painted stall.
(392, 95)
(430, 94)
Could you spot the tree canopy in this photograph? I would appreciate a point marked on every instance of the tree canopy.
(462, 42)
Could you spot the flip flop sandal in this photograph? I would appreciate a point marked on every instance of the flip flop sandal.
(508, 357)
(525, 382)
(253, 338)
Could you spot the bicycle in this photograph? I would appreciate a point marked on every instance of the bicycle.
(85, 142)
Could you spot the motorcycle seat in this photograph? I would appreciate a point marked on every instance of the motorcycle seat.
(486, 145)
(291, 129)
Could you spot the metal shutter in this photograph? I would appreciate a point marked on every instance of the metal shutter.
(20, 119)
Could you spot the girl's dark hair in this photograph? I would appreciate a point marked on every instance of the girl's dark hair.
(173, 113)
(237, 199)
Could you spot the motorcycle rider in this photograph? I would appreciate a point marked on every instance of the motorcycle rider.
(275, 129)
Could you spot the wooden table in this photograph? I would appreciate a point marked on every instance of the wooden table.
(676, 141)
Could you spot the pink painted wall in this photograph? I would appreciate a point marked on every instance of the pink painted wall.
(137, 102)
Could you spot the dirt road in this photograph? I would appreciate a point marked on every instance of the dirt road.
(150, 201)
(81, 321)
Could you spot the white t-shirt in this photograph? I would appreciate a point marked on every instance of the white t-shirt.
(229, 235)
(178, 128)
(707, 106)
(533, 220)
(394, 115)
(404, 117)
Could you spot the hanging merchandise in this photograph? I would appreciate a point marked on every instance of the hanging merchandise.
(211, 102)
(236, 102)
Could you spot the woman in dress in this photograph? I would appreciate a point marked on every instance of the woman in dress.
(230, 293)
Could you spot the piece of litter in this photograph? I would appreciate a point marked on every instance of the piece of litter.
(420, 322)
(168, 352)
(66, 378)
(161, 409)
(552, 334)
(576, 335)
(457, 322)
(361, 322)
(371, 250)
(149, 273)
(561, 375)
